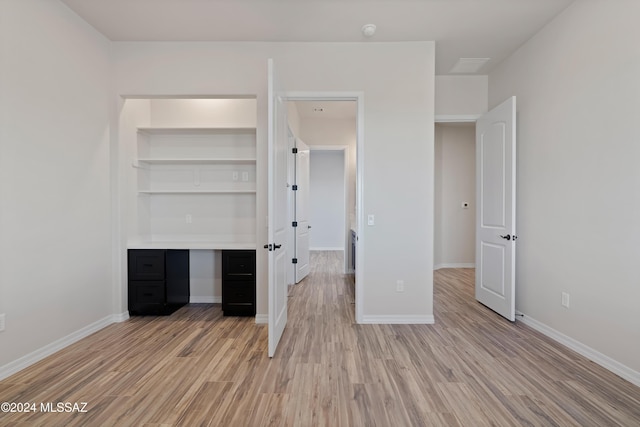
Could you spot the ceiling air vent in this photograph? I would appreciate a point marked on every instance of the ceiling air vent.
(468, 65)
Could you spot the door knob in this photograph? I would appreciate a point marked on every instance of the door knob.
(507, 237)
(276, 247)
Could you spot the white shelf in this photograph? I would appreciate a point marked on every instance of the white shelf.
(195, 188)
(194, 131)
(194, 161)
(197, 191)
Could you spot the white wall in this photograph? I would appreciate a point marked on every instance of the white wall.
(455, 149)
(461, 95)
(578, 92)
(205, 270)
(397, 80)
(339, 132)
(327, 201)
(55, 210)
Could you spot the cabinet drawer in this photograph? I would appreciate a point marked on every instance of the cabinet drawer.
(146, 264)
(239, 299)
(238, 265)
(147, 292)
(239, 292)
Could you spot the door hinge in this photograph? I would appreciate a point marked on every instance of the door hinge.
(294, 150)
(294, 187)
(294, 261)
(294, 224)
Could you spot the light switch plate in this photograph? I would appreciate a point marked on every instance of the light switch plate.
(371, 220)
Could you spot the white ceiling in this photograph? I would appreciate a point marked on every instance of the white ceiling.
(461, 28)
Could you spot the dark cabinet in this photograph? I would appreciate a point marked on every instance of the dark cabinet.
(239, 282)
(158, 280)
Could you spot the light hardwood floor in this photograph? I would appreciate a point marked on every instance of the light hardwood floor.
(472, 368)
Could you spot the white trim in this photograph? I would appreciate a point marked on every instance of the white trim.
(119, 318)
(49, 349)
(205, 300)
(456, 118)
(603, 360)
(359, 279)
(398, 320)
(359, 98)
(324, 248)
(262, 319)
(328, 148)
(455, 265)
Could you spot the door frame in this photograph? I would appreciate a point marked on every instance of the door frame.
(455, 118)
(465, 118)
(358, 97)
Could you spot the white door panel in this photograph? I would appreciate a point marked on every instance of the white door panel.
(495, 218)
(302, 210)
(277, 210)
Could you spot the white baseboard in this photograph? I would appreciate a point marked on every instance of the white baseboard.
(341, 248)
(605, 361)
(205, 300)
(398, 320)
(119, 318)
(454, 265)
(36, 356)
(262, 319)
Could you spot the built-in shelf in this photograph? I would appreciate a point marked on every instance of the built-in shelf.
(196, 188)
(194, 130)
(198, 161)
(197, 191)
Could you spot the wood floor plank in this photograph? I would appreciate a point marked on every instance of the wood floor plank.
(200, 368)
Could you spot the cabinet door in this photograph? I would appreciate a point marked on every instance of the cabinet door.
(146, 264)
(177, 279)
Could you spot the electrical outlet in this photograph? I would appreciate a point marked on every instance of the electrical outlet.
(245, 176)
(400, 286)
(188, 219)
(2, 322)
(565, 300)
(234, 175)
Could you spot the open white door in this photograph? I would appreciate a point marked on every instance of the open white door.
(277, 210)
(496, 209)
(302, 163)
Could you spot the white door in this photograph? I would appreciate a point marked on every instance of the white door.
(302, 162)
(277, 210)
(495, 209)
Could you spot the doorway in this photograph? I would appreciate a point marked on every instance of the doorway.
(329, 126)
(455, 195)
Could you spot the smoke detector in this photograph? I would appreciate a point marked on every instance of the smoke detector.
(368, 30)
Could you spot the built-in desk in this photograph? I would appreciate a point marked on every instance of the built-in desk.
(159, 276)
